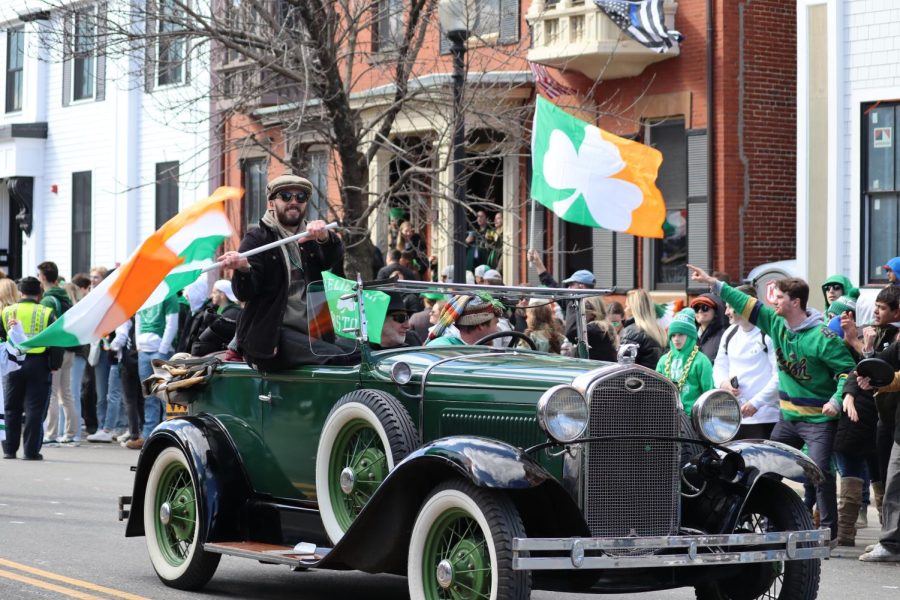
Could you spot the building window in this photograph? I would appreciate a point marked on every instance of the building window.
(171, 44)
(253, 178)
(15, 63)
(81, 221)
(388, 30)
(84, 45)
(670, 254)
(880, 189)
(487, 20)
(166, 191)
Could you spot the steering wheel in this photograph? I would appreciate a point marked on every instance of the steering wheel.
(514, 335)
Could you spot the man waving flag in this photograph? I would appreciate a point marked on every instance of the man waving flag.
(166, 262)
(594, 178)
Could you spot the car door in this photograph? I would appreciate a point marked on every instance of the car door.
(298, 403)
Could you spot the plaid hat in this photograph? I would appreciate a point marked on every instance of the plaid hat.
(286, 182)
(684, 322)
(476, 312)
(581, 276)
(29, 286)
(842, 304)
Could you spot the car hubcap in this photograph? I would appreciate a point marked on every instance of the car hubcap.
(177, 509)
(445, 574)
(456, 559)
(358, 466)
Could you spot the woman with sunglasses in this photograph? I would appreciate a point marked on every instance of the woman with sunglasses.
(711, 323)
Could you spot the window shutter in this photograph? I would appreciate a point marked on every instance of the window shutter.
(68, 29)
(150, 44)
(698, 202)
(626, 250)
(604, 258)
(509, 21)
(102, 29)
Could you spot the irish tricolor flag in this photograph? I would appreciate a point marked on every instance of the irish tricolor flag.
(589, 176)
(165, 263)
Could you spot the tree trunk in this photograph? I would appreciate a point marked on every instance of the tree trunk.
(359, 249)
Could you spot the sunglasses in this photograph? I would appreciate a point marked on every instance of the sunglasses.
(399, 317)
(833, 287)
(703, 307)
(301, 197)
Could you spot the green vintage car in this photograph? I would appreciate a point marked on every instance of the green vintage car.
(476, 471)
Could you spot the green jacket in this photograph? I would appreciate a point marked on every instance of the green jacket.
(57, 300)
(849, 290)
(813, 361)
(446, 340)
(699, 376)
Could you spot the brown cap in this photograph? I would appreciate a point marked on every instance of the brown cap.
(287, 182)
(703, 300)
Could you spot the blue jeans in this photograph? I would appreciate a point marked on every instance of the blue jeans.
(855, 465)
(154, 409)
(78, 366)
(109, 392)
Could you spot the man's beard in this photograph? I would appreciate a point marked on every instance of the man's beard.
(289, 216)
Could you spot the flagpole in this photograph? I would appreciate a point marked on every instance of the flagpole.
(531, 227)
(294, 238)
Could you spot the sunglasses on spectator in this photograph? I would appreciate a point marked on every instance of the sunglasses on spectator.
(704, 307)
(301, 197)
(833, 287)
(399, 317)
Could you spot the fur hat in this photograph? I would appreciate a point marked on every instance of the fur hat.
(285, 182)
(684, 322)
(30, 286)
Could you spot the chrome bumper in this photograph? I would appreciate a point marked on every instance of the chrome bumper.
(541, 554)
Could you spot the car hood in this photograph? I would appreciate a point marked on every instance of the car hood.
(475, 367)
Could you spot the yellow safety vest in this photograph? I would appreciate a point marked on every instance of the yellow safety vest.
(34, 318)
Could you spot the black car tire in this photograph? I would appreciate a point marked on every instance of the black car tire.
(772, 507)
(384, 420)
(498, 522)
(175, 547)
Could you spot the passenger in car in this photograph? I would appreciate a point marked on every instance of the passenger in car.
(273, 332)
(396, 331)
(474, 318)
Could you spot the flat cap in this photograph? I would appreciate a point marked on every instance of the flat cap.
(287, 182)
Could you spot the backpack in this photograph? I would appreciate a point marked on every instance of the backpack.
(60, 306)
(733, 330)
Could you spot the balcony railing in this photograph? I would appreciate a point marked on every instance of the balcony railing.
(575, 35)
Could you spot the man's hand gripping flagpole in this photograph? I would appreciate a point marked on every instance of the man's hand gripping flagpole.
(234, 260)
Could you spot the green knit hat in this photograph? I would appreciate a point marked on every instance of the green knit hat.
(684, 322)
(844, 303)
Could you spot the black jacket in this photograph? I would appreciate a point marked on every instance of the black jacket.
(709, 340)
(649, 351)
(265, 287)
(602, 346)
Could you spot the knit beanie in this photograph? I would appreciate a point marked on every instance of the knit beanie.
(684, 322)
(842, 304)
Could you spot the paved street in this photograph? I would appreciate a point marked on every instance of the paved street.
(59, 538)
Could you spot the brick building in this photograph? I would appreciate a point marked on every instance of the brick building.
(730, 212)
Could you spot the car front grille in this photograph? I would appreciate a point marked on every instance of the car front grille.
(632, 487)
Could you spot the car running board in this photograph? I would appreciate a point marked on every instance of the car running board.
(268, 553)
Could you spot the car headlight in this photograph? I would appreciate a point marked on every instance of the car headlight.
(562, 413)
(716, 416)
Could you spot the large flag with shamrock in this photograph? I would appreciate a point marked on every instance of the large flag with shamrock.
(591, 177)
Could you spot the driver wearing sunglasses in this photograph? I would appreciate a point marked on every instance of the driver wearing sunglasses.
(273, 332)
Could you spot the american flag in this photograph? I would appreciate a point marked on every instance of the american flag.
(547, 84)
(642, 20)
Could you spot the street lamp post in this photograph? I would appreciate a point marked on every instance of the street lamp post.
(454, 22)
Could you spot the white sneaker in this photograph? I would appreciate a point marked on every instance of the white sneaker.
(100, 436)
(66, 441)
(124, 437)
(880, 554)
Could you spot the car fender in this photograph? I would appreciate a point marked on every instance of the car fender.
(378, 539)
(222, 485)
(768, 462)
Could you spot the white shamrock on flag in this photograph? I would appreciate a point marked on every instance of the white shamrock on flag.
(588, 171)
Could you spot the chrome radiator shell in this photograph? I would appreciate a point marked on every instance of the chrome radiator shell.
(631, 487)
